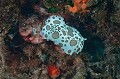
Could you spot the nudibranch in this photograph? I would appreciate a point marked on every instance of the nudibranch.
(67, 37)
(79, 5)
(53, 71)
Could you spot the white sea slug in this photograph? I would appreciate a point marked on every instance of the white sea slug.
(68, 38)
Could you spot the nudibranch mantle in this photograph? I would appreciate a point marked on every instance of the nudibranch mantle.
(67, 37)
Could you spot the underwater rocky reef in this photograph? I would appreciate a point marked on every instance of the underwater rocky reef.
(59, 39)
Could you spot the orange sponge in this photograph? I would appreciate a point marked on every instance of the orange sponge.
(79, 5)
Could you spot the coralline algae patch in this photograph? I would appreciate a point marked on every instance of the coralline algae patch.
(68, 38)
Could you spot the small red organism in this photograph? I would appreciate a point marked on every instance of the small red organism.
(53, 71)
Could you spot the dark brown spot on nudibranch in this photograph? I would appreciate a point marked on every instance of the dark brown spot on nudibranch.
(78, 49)
(59, 28)
(53, 17)
(66, 41)
(64, 44)
(61, 45)
(56, 22)
(46, 35)
(62, 40)
(48, 27)
(55, 35)
(70, 32)
(64, 33)
(76, 37)
(69, 51)
(73, 42)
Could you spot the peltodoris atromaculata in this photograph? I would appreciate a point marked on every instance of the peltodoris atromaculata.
(68, 38)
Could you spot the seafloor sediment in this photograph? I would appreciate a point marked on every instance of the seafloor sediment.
(96, 20)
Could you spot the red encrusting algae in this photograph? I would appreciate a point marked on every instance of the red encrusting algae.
(53, 71)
